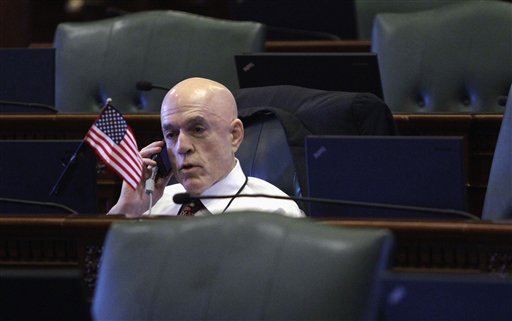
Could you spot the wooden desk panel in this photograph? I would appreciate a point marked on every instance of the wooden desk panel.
(54, 242)
(480, 132)
(446, 246)
(428, 246)
(294, 45)
(319, 46)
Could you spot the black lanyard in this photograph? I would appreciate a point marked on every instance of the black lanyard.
(237, 193)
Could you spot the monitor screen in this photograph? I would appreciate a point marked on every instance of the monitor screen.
(27, 80)
(290, 19)
(352, 72)
(415, 173)
(29, 169)
(43, 294)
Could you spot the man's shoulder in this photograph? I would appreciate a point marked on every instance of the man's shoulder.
(258, 185)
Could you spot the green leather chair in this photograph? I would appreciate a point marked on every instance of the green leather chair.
(366, 10)
(240, 266)
(455, 58)
(106, 58)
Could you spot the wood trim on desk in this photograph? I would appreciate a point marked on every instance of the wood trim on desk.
(446, 246)
(146, 127)
(294, 45)
(420, 246)
(319, 46)
(54, 242)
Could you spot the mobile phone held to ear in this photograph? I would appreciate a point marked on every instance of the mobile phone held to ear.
(163, 162)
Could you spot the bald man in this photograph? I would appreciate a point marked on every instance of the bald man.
(202, 133)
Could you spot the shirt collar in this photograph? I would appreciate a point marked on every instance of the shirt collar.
(229, 185)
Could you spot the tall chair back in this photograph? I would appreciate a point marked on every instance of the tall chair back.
(454, 58)
(106, 58)
(278, 118)
(240, 266)
(366, 10)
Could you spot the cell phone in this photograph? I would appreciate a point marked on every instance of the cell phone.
(163, 162)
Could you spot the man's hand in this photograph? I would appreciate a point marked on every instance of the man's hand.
(134, 203)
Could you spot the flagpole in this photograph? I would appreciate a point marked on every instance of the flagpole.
(72, 160)
(70, 163)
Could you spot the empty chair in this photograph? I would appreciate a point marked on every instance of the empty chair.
(366, 10)
(106, 58)
(239, 266)
(455, 58)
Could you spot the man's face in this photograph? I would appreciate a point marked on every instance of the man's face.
(199, 139)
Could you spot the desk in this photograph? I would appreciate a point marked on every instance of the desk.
(480, 132)
(445, 246)
(76, 241)
(295, 45)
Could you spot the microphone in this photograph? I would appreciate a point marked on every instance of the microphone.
(184, 198)
(55, 206)
(7, 106)
(147, 86)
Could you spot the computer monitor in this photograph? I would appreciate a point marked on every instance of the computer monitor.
(352, 72)
(445, 296)
(410, 171)
(30, 293)
(299, 19)
(27, 80)
(30, 168)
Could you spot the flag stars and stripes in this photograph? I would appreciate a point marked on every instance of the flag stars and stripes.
(113, 125)
(114, 142)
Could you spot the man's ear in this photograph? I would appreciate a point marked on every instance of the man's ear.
(237, 134)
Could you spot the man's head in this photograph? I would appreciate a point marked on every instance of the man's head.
(202, 132)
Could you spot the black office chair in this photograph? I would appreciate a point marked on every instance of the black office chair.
(278, 118)
(240, 266)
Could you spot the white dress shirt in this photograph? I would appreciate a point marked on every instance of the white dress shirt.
(230, 185)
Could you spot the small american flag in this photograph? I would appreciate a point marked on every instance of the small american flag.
(114, 142)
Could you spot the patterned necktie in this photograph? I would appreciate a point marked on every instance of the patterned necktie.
(191, 208)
